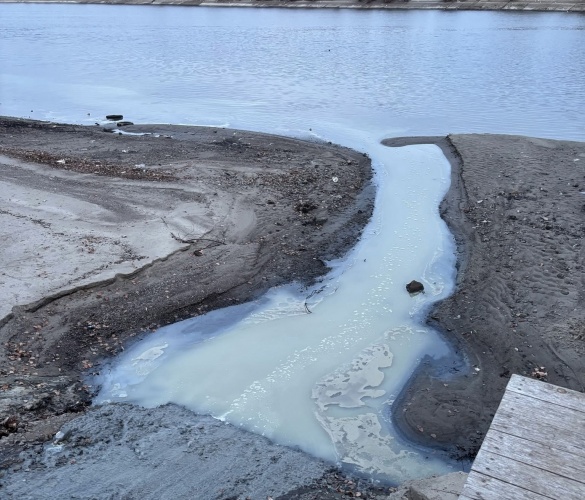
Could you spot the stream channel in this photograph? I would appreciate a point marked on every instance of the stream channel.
(321, 381)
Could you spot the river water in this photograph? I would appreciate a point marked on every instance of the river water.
(383, 73)
(320, 381)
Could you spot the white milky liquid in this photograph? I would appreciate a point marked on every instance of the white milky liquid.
(345, 76)
(320, 380)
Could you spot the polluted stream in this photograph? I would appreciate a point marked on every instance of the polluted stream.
(315, 368)
(318, 368)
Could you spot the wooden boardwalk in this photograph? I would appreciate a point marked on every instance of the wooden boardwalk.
(535, 447)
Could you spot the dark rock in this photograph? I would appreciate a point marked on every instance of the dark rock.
(109, 127)
(10, 423)
(415, 287)
(305, 207)
(124, 124)
(315, 221)
(114, 118)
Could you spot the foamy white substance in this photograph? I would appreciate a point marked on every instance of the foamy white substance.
(320, 381)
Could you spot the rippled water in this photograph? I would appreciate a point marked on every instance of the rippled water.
(396, 73)
(318, 381)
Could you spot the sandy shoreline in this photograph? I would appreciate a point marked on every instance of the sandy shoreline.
(515, 208)
(509, 5)
(247, 212)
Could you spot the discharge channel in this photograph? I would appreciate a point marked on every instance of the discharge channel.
(320, 380)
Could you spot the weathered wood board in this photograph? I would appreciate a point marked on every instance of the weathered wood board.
(535, 447)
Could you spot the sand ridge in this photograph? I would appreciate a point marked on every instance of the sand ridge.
(238, 214)
(517, 210)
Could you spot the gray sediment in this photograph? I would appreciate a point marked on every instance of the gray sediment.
(515, 208)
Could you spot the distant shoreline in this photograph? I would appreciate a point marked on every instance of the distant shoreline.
(489, 5)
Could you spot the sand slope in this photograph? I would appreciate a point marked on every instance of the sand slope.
(90, 243)
(517, 209)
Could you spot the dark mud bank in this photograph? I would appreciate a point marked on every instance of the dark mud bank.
(516, 209)
(279, 218)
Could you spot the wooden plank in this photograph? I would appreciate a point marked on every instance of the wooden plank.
(481, 487)
(531, 410)
(563, 441)
(535, 447)
(526, 477)
(542, 423)
(542, 456)
(547, 392)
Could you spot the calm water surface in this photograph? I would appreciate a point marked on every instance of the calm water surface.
(397, 73)
(319, 381)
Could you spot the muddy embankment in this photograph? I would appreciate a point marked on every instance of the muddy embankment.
(246, 212)
(147, 230)
(516, 208)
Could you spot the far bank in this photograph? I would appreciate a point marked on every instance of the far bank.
(511, 5)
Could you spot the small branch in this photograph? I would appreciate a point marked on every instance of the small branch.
(191, 241)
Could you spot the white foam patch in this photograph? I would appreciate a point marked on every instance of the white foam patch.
(362, 442)
(320, 381)
(347, 388)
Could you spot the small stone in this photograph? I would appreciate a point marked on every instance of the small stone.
(11, 423)
(415, 287)
(60, 436)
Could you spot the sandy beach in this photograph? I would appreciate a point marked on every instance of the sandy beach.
(516, 208)
(182, 220)
(108, 236)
